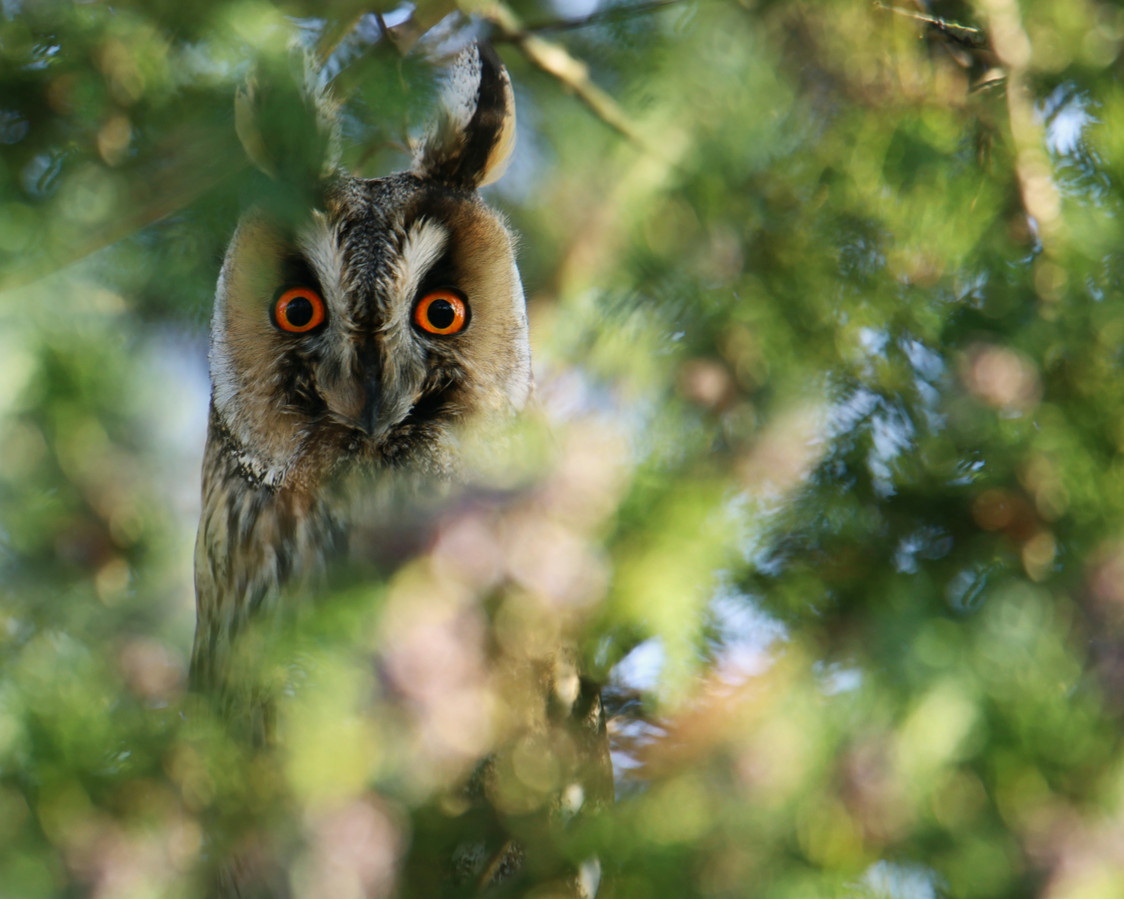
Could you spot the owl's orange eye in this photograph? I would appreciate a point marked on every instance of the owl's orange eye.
(441, 312)
(298, 310)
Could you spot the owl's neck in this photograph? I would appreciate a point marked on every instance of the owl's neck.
(255, 470)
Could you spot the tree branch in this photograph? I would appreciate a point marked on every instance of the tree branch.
(1032, 163)
(573, 73)
(966, 36)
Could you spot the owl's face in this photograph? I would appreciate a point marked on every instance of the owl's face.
(369, 333)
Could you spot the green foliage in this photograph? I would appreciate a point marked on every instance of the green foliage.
(832, 493)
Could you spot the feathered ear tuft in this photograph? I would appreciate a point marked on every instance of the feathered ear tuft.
(287, 122)
(471, 142)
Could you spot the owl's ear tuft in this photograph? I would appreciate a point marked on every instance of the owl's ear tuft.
(470, 143)
(287, 121)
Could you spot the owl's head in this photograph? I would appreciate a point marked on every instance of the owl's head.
(376, 325)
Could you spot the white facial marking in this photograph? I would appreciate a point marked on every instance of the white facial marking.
(320, 246)
(425, 242)
(519, 388)
(223, 376)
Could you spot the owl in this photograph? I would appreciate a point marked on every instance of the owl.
(353, 344)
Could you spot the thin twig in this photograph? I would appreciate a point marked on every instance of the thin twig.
(1033, 169)
(962, 34)
(573, 73)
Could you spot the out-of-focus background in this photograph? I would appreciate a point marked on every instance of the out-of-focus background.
(827, 482)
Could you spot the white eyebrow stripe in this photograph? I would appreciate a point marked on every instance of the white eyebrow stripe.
(424, 245)
(320, 246)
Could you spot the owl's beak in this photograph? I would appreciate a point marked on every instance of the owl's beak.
(361, 402)
(372, 401)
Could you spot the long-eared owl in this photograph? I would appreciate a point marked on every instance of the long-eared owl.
(357, 342)
(351, 346)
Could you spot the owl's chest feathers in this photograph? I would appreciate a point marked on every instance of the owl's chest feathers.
(259, 534)
(264, 548)
(255, 537)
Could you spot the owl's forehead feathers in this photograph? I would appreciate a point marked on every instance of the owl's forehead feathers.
(394, 232)
(372, 244)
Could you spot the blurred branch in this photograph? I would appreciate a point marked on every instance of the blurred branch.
(1032, 163)
(573, 73)
(967, 45)
(965, 35)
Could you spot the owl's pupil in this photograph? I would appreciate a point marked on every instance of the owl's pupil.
(298, 312)
(441, 314)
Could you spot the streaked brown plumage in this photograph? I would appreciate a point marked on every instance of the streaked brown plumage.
(312, 419)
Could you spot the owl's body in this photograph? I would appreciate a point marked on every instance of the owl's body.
(351, 348)
(299, 421)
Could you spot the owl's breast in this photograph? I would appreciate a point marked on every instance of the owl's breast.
(257, 543)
